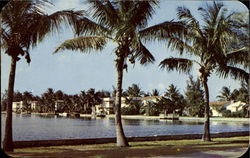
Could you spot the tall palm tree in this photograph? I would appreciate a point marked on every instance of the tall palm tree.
(23, 25)
(124, 23)
(210, 44)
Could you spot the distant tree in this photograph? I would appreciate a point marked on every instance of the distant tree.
(150, 109)
(155, 92)
(134, 105)
(243, 93)
(194, 97)
(92, 98)
(171, 101)
(17, 96)
(59, 95)
(27, 97)
(225, 94)
(48, 100)
(134, 91)
(4, 97)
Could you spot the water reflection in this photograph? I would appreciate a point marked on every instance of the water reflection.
(39, 127)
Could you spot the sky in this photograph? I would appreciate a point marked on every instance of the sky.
(74, 71)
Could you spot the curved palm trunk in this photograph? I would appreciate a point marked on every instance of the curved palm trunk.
(120, 136)
(206, 134)
(8, 139)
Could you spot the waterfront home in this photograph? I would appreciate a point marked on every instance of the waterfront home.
(107, 105)
(59, 104)
(150, 99)
(17, 106)
(33, 105)
(232, 106)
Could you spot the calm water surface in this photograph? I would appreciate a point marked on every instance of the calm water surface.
(37, 127)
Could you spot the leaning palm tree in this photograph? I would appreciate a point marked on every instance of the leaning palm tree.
(121, 22)
(23, 25)
(210, 45)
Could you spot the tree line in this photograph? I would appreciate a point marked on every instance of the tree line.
(191, 103)
(217, 44)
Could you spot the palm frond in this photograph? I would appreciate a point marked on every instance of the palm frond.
(234, 72)
(89, 27)
(179, 64)
(103, 12)
(142, 11)
(162, 31)
(239, 57)
(143, 55)
(86, 43)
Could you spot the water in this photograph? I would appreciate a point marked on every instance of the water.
(37, 127)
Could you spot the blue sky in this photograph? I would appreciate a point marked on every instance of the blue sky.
(72, 72)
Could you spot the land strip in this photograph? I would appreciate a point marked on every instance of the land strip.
(219, 147)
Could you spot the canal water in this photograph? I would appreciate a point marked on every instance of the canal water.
(38, 127)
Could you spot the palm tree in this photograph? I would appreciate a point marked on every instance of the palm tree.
(27, 97)
(121, 22)
(24, 24)
(134, 91)
(225, 94)
(155, 92)
(194, 97)
(210, 44)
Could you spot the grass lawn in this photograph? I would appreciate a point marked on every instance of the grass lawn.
(237, 145)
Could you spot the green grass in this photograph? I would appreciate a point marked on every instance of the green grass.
(217, 142)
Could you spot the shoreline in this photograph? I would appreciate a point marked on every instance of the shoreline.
(181, 118)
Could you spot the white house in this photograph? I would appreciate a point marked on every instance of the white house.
(228, 105)
(108, 103)
(17, 106)
(33, 104)
(236, 106)
(150, 98)
(58, 104)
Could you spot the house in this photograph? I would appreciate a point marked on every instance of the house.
(108, 103)
(17, 106)
(59, 104)
(33, 105)
(227, 105)
(150, 99)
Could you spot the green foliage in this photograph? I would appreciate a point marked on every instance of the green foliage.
(132, 109)
(172, 101)
(194, 96)
(133, 91)
(150, 109)
(240, 94)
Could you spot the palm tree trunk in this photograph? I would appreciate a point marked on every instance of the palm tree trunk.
(206, 134)
(120, 136)
(8, 139)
